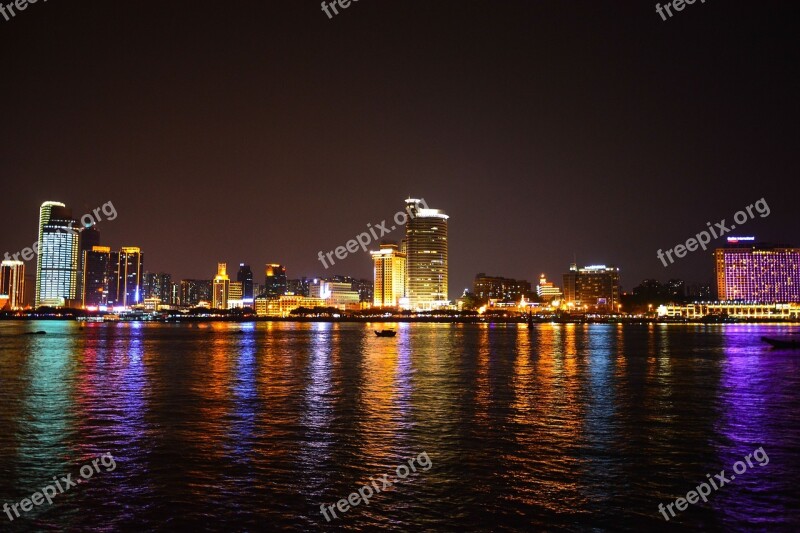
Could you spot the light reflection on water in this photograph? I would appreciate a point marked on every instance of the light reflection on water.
(234, 426)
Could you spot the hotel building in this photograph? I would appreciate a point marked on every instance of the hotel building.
(595, 287)
(426, 256)
(759, 273)
(221, 287)
(390, 275)
(57, 263)
(12, 283)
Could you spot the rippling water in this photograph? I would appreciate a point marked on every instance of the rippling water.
(253, 426)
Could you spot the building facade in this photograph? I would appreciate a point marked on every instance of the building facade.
(194, 291)
(57, 263)
(12, 283)
(595, 287)
(757, 272)
(219, 292)
(274, 280)
(95, 277)
(389, 285)
(425, 247)
(487, 288)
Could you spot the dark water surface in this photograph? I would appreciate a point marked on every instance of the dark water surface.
(248, 427)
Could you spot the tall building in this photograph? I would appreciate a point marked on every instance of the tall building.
(126, 277)
(219, 293)
(235, 292)
(426, 256)
(57, 264)
(596, 287)
(487, 288)
(194, 291)
(298, 287)
(95, 276)
(12, 283)
(275, 280)
(547, 291)
(245, 277)
(157, 286)
(89, 238)
(757, 272)
(389, 286)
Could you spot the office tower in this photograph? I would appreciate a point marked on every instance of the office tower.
(157, 286)
(487, 288)
(389, 275)
(126, 276)
(757, 272)
(298, 287)
(426, 256)
(235, 292)
(194, 291)
(245, 277)
(547, 291)
(594, 287)
(221, 287)
(275, 280)
(95, 276)
(12, 283)
(89, 238)
(57, 264)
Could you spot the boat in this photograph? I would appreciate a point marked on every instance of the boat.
(783, 342)
(386, 333)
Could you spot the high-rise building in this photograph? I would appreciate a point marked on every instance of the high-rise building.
(275, 280)
(335, 293)
(426, 256)
(596, 287)
(126, 277)
(95, 276)
(219, 293)
(12, 283)
(547, 291)
(194, 291)
(157, 286)
(245, 277)
(757, 272)
(389, 286)
(89, 238)
(57, 264)
(487, 288)
(235, 292)
(298, 287)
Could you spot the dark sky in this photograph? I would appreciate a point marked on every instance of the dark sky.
(262, 131)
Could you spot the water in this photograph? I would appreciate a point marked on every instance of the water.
(243, 427)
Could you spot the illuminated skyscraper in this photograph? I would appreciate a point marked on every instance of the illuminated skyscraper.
(219, 292)
(426, 256)
(57, 264)
(390, 276)
(596, 287)
(275, 280)
(12, 283)
(245, 277)
(95, 276)
(126, 276)
(759, 273)
(194, 291)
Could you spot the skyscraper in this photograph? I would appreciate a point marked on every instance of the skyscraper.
(596, 287)
(757, 272)
(89, 238)
(426, 256)
(390, 275)
(245, 277)
(96, 263)
(219, 292)
(57, 264)
(275, 280)
(128, 276)
(12, 283)
(194, 291)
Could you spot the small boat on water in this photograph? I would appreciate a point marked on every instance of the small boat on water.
(783, 342)
(386, 333)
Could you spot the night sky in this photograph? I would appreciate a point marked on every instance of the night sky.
(262, 131)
